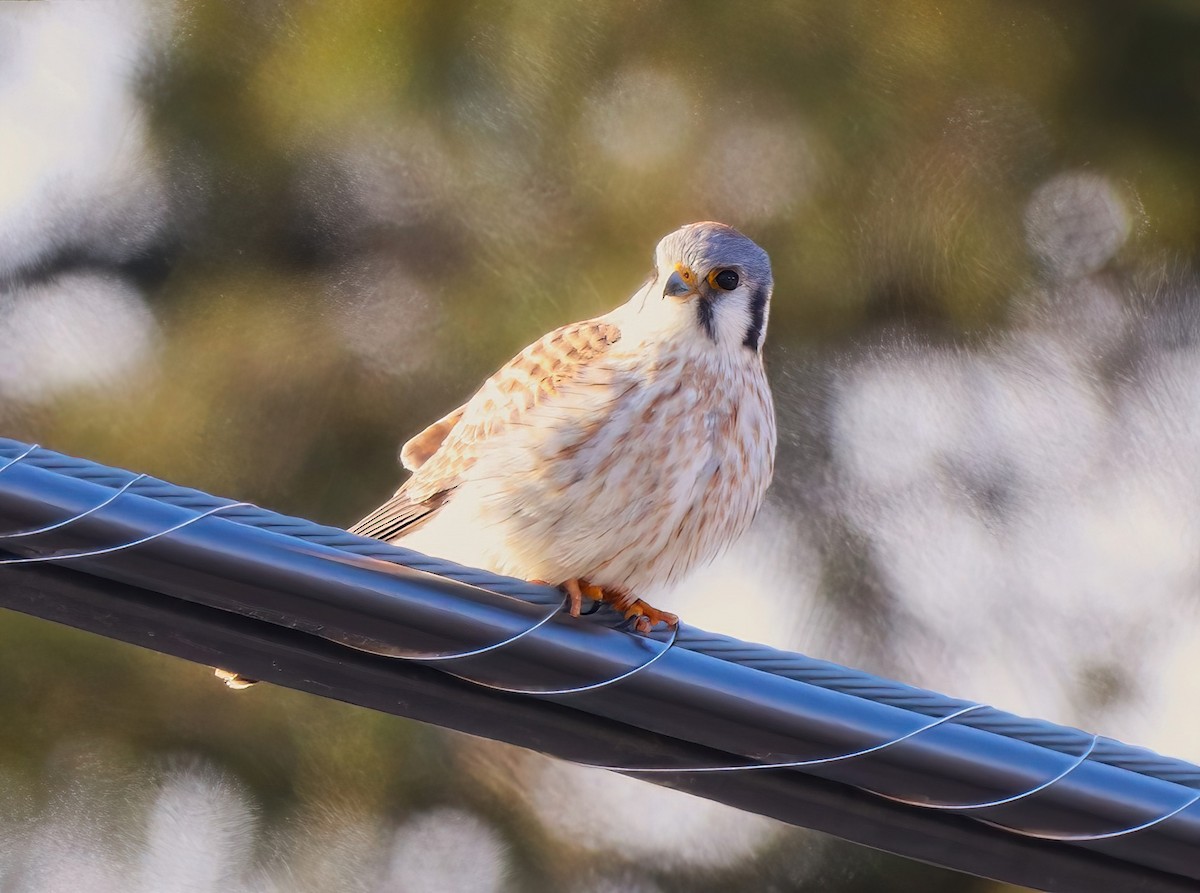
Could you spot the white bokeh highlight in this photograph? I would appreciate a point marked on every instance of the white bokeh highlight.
(1075, 223)
(604, 812)
(641, 119)
(445, 851)
(761, 170)
(77, 169)
(192, 828)
(386, 316)
(1034, 517)
(76, 332)
(199, 836)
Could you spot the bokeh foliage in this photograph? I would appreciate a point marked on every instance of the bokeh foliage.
(372, 204)
(512, 163)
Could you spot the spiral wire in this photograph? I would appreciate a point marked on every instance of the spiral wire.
(940, 709)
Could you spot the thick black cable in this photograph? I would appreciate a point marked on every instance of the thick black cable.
(945, 711)
(801, 668)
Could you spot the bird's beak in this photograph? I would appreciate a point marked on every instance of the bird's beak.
(681, 283)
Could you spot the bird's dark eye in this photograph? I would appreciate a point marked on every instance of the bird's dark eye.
(725, 279)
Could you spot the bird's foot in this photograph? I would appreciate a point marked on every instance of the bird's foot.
(645, 617)
(576, 589)
(575, 594)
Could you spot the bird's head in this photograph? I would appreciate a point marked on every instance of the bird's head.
(710, 284)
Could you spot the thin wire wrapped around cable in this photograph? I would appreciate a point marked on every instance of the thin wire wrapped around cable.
(416, 657)
(109, 550)
(590, 686)
(1003, 801)
(794, 764)
(750, 656)
(789, 665)
(1104, 835)
(952, 807)
(13, 461)
(48, 528)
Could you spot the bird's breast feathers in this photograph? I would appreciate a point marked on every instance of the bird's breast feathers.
(592, 456)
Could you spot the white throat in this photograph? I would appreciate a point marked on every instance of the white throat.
(650, 318)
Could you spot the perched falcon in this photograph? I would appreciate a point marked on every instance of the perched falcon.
(614, 455)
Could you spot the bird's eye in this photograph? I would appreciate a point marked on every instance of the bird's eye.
(726, 280)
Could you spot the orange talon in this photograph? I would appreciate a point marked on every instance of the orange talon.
(575, 594)
(648, 616)
(644, 616)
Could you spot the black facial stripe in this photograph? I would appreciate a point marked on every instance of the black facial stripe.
(704, 310)
(758, 310)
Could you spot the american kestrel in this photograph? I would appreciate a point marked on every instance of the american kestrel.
(612, 456)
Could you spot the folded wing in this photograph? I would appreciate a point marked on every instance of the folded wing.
(444, 452)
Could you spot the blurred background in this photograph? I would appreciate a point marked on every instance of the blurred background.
(251, 247)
